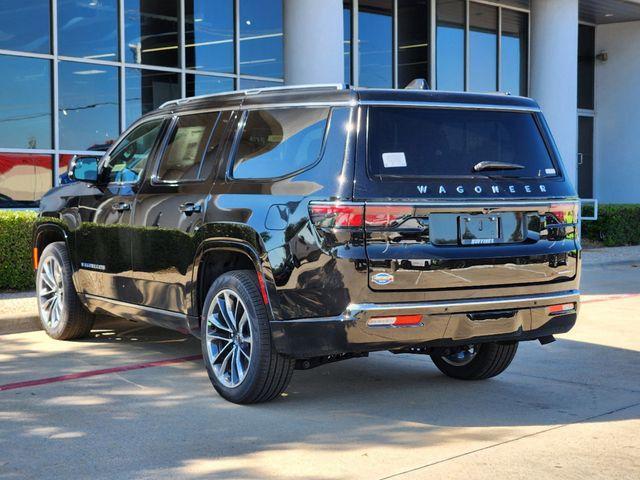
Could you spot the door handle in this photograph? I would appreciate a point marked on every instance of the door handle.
(190, 208)
(121, 206)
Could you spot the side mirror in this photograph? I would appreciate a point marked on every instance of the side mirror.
(84, 169)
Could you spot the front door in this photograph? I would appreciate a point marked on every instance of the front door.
(171, 207)
(103, 235)
(585, 157)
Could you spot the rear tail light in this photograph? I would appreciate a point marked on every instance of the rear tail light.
(354, 215)
(396, 321)
(563, 308)
(566, 213)
(336, 215)
(386, 215)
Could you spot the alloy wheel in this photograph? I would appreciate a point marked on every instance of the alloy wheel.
(51, 292)
(229, 338)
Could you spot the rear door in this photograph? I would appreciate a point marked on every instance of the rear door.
(459, 199)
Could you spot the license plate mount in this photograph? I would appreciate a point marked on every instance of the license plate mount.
(479, 229)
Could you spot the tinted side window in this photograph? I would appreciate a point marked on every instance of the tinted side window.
(128, 159)
(185, 150)
(279, 141)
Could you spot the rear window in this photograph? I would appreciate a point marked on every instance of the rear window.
(278, 142)
(427, 142)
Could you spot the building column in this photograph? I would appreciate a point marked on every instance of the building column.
(554, 72)
(313, 50)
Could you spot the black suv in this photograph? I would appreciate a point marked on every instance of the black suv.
(293, 227)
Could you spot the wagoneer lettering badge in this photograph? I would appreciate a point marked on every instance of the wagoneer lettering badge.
(460, 189)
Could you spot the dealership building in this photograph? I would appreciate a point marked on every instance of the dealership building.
(76, 73)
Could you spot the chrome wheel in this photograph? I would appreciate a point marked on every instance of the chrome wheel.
(463, 357)
(229, 338)
(51, 292)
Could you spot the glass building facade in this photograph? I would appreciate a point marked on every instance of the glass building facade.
(79, 72)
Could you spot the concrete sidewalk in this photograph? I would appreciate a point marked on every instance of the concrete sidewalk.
(567, 410)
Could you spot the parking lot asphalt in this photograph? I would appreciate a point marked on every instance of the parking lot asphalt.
(135, 402)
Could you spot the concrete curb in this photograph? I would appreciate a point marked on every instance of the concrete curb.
(19, 323)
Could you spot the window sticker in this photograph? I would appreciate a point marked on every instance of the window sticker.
(394, 160)
(550, 171)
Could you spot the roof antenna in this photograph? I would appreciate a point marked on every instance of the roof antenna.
(418, 84)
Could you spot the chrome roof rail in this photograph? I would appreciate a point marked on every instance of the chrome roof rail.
(255, 91)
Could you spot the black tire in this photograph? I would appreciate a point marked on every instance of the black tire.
(73, 321)
(268, 372)
(491, 359)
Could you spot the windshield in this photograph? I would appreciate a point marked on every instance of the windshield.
(428, 142)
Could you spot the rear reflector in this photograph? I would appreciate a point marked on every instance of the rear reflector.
(397, 321)
(566, 213)
(565, 307)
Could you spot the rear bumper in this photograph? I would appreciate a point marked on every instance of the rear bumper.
(444, 324)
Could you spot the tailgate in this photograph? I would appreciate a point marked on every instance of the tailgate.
(431, 247)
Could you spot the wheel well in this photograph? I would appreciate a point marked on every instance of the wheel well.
(46, 237)
(213, 264)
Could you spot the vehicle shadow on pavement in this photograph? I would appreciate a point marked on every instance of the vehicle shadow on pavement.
(168, 421)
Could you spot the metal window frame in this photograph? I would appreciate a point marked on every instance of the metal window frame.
(122, 65)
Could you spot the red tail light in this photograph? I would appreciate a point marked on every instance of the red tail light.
(566, 213)
(336, 215)
(386, 215)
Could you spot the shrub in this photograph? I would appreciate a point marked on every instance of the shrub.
(16, 264)
(617, 225)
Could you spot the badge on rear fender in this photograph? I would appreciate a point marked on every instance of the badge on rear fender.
(382, 278)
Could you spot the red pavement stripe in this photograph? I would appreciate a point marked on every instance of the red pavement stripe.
(93, 373)
(611, 297)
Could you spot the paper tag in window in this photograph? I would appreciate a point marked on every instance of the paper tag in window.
(394, 160)
(550, 171)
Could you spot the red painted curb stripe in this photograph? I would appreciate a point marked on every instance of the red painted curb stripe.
(93, 373)
(612, 297)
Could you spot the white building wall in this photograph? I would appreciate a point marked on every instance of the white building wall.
(617, 128)
(554, 66)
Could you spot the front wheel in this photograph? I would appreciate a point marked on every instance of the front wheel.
(62, 315)
(476, 362)
(242, 363)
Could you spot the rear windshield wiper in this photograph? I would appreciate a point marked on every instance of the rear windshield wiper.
(489, 165)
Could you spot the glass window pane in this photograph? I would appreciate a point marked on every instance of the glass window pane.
(128, 159)
(25, 114)
(24, 178)
(209, 35)
(88, 28)
(375, 24)
(515, 34)
(88, 106)
(346, 20)
(450, 45)
(206, 84)
(444, 143)
(248, 83)
(413, 40)
(146, 90)
(483, 48)
(182, 158)
(261, 38)
(24, 25)
(151, 32)
(586, 66)
(279, 142)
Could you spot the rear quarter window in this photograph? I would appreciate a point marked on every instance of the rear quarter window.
(278, 142)
(434, 142)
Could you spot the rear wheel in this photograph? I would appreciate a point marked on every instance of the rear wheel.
(476, 362)
(242, 363)
(62, 315)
